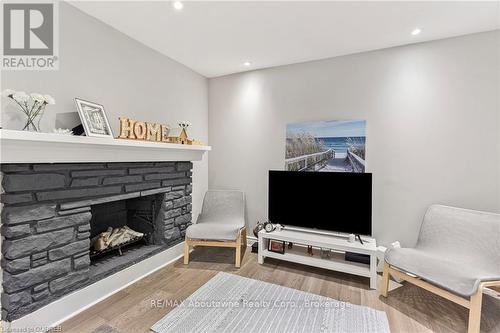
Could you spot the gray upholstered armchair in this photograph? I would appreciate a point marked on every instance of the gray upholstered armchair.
(457, 255)
(220, 224)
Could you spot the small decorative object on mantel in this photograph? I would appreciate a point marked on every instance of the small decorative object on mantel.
(140, 130)
(32, 105)
(93, 118)
(63, 131)
(184, 124)
(179, 135)
(78, 130)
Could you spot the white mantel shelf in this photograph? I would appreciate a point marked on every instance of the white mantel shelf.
(32, 147)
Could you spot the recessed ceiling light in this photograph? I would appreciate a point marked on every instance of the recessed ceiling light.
(247, 63)
(416, 32)
(178, 5)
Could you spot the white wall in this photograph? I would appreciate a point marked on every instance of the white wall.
(100, 64)
(432, 125)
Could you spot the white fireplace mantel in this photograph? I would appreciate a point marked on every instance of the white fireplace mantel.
(32, 147)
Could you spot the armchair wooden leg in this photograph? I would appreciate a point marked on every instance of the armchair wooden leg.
(238, 252)
(384, 287)
(476, 301)
(186, 251)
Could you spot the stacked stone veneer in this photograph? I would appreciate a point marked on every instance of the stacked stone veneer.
(45, 221)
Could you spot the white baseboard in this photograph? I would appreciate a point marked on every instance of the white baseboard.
(70, 305)
(251, 240)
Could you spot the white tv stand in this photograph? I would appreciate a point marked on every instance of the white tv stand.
(338, 245)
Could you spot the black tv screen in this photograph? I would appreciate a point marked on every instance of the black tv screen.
(330, 201)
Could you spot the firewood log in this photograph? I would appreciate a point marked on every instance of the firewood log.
(133, 232)
(113, 237)
(118, 237)
(114, 234)
(100, 244)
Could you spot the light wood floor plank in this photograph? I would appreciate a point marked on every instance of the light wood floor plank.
(409, 308)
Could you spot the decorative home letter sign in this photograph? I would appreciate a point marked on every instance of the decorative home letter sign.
(140, 130)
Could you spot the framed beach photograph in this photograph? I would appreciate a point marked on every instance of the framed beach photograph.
(93, 119)
(331, 146)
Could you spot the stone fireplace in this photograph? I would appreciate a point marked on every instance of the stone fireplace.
(52, 213)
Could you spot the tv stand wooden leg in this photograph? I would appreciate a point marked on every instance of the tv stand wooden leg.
(260, 257)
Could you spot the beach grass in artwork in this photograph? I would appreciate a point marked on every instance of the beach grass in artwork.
(337, 146)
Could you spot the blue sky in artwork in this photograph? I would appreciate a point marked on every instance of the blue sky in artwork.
(329, 129)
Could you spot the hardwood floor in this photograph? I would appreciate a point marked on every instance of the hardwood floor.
(408, 308)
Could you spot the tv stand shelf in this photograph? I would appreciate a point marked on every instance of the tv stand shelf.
(336, 262)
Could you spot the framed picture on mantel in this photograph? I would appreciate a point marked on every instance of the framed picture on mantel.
(93, 119)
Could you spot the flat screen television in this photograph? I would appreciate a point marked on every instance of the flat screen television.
(330, 201)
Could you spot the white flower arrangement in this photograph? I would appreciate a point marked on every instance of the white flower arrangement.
(37, 97)
(20, 97)
(32, 105)
(49, 99)
(8, 93)
(184, 124)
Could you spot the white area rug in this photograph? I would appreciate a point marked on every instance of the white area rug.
(231, 303)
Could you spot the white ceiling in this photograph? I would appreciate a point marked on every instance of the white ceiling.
(215, 38)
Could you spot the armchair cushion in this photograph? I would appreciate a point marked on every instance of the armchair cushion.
(213, 231)
(457, 249)
(222, 216)
(459, 278)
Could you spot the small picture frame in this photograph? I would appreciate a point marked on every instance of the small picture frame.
(93, 119)
(276, 246)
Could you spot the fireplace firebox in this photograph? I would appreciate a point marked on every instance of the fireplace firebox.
(124, 232)
(115, 225)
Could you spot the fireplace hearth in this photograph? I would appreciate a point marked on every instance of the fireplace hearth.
(54, 213)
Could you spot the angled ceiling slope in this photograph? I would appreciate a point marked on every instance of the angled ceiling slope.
(216, 38)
